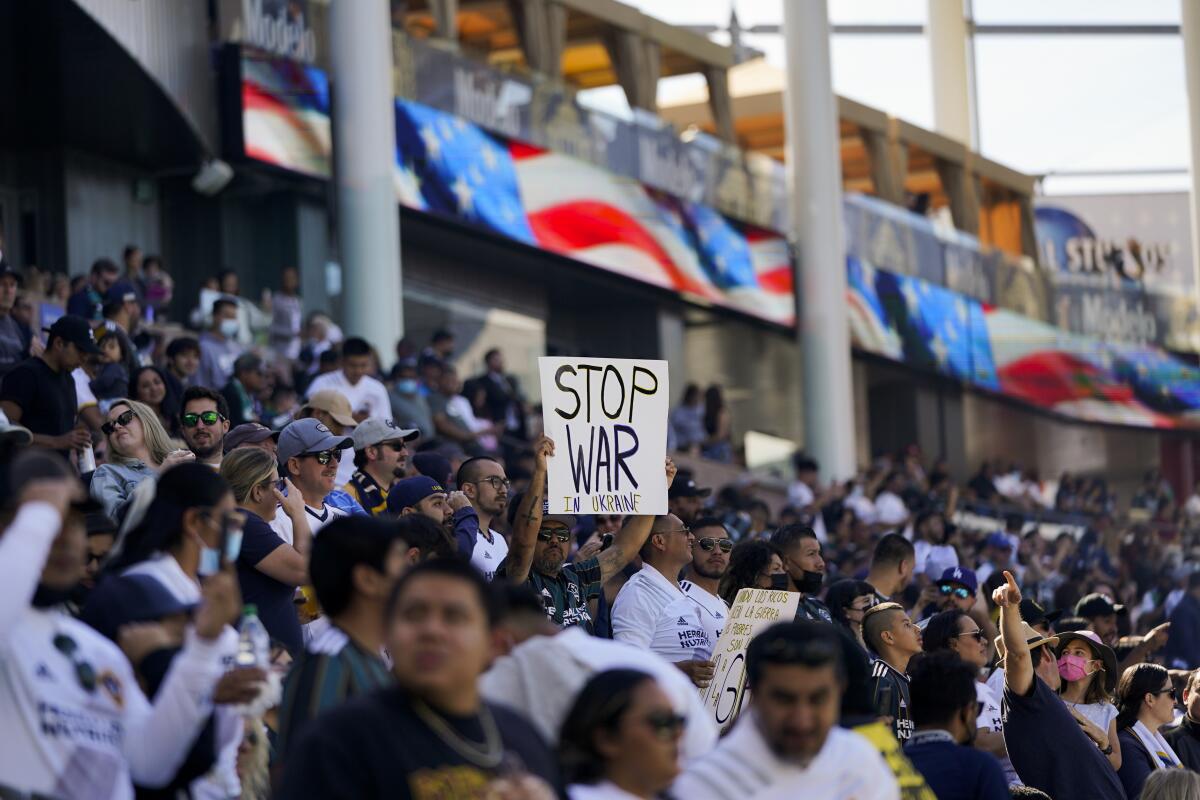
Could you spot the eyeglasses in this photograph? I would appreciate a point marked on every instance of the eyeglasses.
(209, 418)
(325, 456)
(978, 634)
(546, 534)
(495, 481)
(961, 592)
(1169, 692)
(665, 724)
(85, 673)
(708, 543)
(123, 420)
(396, 447)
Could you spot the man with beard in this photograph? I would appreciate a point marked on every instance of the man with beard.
(421, 495)
(205, 418)
(539, 551)
(484, 497)
(710, 559)
(805, 568)
(380, 458)
(944, 710)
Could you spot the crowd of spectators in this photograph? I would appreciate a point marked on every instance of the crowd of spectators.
(434, 631)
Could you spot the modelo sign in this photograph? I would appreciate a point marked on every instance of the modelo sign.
(279, 27)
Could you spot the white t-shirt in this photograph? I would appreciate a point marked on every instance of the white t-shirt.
(640, 603)
(680, 633)
(934, 559)
(488, 556)
(890, 509)
(367, 395)
(84, 396)
(606, 790)
(317, 518)
(742, 766)
(800, 495)
(1100, 714)
(713, 611)
(991, 719)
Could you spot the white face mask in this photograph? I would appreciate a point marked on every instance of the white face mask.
(229, 328)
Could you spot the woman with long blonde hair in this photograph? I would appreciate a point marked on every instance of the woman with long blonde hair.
(138, 448)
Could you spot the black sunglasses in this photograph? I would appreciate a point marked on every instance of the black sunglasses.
(325, 456)
(978, 635)
(709, 542)
(209, 418)
(398, 447)
(85, 673)
(1169, 692)
(962, 593)
(546, 534)
(495, 481)
(123, 420)
(666, 724)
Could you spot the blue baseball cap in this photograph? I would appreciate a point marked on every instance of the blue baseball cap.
(308, 436)
(410, 491)
(962, 576)
(122, 599)
(998, 540)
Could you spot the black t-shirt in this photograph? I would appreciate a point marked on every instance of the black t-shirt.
(1051, 752)
(14, 347)
(46, 398)
(275, 603)
(378, 746)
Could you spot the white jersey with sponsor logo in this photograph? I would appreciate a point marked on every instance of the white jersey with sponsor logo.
(713, 611)
(77, 724)
(487, 556)
(680, 633)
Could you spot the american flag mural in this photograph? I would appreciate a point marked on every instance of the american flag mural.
(448, 166)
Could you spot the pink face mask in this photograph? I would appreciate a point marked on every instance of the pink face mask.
(1073, 668)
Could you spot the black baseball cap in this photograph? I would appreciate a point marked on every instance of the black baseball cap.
(6, 270)
(76, 330)
(1097, 605)
(686, 487)
(1033, 613)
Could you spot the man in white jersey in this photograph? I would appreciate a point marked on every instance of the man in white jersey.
(309, 454)
(710, 560)
(484, 495)
(787, 743)
(77, 723)
(653, 613)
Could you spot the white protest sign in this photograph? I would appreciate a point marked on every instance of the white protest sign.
(608, 420)
(754, 610)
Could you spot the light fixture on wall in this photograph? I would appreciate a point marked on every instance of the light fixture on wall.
(214, 175)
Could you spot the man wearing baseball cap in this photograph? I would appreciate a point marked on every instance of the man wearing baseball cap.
(685, 499)
(309, 454)
(252, 434)
(39, 393)
(1046, 745)
(420, 495)
(380, 458)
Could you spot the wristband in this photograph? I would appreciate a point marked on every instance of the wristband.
(1108, 750)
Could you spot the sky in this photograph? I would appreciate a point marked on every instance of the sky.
(1047, 104)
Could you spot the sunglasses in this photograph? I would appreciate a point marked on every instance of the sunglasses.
(666, 724)
(960, 592)
(496, 482)
(396, 447)
(684, 530)
(85, 673)
(546, 534)
(325, 456)
(1168, 692)
(708, 543)
(123, 420)
(978, 635)
(209, 418)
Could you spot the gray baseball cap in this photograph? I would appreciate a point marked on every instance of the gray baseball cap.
(308, 436)
(374, 430)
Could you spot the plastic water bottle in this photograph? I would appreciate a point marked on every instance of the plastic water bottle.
(253, 643)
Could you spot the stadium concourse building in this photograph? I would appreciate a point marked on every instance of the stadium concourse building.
(536, 224)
